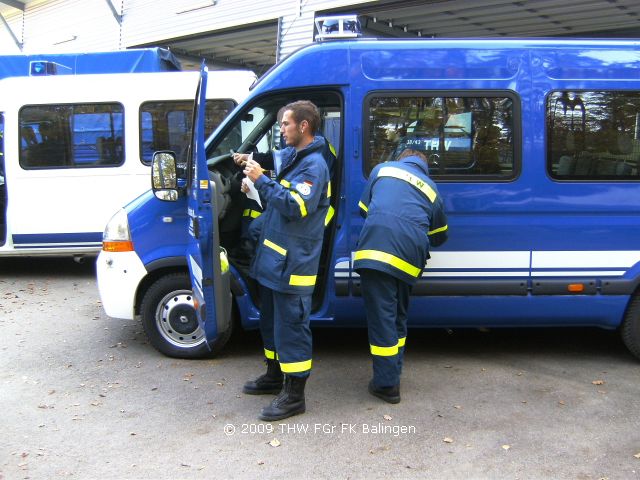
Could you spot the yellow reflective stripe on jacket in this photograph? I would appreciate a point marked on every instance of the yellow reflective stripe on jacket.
(329, 190)
(402, 341)
(384, 351)
(303, 208)
(330, 213)
(284, 183)
(363, 206)
(275, 247)
(270, 354)
(438, 230)
(389, 259)
(251, 213)
(409, 178)
(332, 149)
(302, 280)
(296, 367)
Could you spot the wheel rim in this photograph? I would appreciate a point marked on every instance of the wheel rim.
(177, 321)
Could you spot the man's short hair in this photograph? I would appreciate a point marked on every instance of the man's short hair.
(305, 110)
(410, 152)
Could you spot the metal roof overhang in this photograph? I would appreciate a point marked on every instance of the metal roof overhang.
(254, 46)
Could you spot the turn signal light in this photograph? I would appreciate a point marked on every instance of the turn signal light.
(575, 287)
(126, 246)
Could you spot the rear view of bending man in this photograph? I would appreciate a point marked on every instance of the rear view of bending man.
(404, 217)
(287, 257)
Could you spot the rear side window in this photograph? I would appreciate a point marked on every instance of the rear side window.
(593, 135)
(71, 136)
(463, 136)
(167, 125)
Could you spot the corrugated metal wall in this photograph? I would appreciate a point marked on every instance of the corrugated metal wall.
(66, 26)
(89, 25)
(147, 21)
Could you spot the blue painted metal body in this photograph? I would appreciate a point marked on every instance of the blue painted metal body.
(531, 214)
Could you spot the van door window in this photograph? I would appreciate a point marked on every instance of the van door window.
(71, 136)
(167, 125)
(462, 136)
(593, 135)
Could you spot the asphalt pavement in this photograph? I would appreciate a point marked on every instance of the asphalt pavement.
(84, 396)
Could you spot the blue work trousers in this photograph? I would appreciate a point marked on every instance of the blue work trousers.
(386, 301)
(284, 326)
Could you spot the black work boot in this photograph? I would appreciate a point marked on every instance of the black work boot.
(290, 402)
(268, 383)
(388, 394)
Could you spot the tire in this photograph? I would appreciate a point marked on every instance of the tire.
(170, 322)
(630, 329)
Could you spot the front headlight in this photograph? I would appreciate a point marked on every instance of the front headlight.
(116, 236)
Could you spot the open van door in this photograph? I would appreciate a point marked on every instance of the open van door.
(208, 264)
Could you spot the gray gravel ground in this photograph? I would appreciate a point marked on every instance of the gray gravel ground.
(84, 396)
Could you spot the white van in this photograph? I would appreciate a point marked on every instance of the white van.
(77, 148)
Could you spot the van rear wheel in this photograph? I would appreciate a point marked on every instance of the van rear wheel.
(630, 330)
(170, 322)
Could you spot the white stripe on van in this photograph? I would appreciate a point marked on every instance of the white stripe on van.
(564, 263)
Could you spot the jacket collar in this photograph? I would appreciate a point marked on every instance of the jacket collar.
(291, 156)
(417, 161)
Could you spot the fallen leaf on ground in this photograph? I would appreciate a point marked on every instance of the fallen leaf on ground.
(506, 447)
(447, 440)
(598, 382)
(387, 417)
(275, 442)
(637, 455)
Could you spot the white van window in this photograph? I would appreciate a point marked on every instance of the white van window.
(593, 135)
(166, 125)
(71, 136)
(460, 135)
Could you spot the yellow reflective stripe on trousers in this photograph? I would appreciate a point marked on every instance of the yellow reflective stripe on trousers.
(302, 280)
(295, 367)
(409, 178)
(275, 247)
(384, 351)
(251, 213)
(330, 213)
(270, 354)
(402, 341)
(438, 230)
(329, 190)
(284, 183)
(389, 259)
(303, 208)
(363, 206)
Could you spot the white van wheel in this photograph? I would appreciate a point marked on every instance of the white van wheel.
(169, 318)
(630, 330)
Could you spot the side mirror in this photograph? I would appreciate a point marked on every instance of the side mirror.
(164, 180)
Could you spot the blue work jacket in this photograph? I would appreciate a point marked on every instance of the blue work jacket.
(404, 217)
(288, 250)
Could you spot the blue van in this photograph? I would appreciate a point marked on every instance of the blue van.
(534, 145)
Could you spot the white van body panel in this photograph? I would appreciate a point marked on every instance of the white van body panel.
(79, 200)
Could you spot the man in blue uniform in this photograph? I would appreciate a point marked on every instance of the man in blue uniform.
(404, 217)
(287, 256)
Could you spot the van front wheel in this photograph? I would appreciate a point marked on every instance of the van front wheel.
(630, 330)
(169, 318)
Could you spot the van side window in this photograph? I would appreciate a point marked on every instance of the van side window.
(593, 135)
(71, 136)
(166, 125)
(463, 136)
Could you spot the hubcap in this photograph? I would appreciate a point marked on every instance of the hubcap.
(177, 321)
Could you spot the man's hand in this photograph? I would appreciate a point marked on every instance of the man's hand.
(253, 170)
(240, 159)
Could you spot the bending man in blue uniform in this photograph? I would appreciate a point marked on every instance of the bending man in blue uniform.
(287, 256)
(404, 217)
